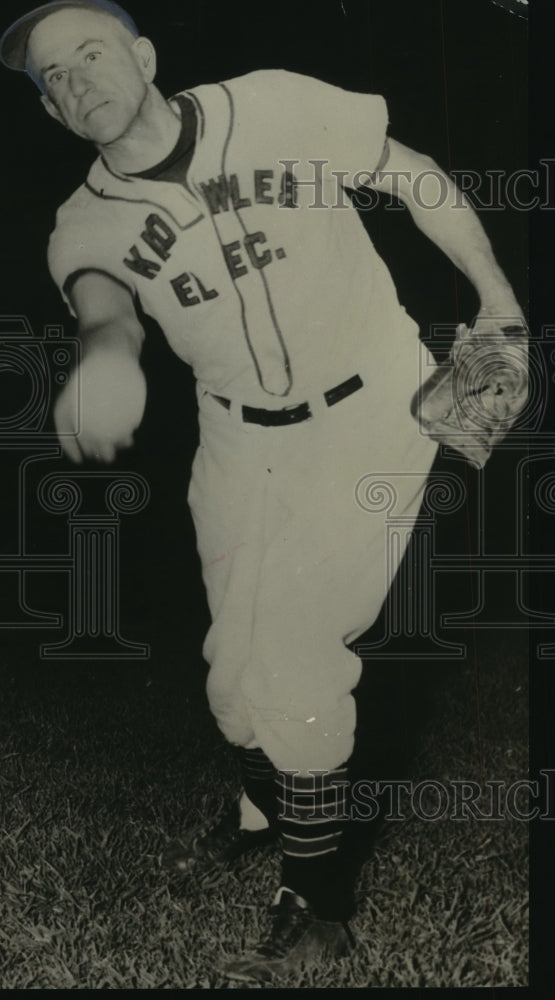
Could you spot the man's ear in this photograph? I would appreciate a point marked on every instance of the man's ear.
(52, 109)
(145, 53)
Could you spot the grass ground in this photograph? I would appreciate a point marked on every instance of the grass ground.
(99, 766)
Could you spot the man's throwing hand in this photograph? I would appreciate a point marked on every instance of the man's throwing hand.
(101, 407)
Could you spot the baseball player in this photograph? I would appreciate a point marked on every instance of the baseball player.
(223, 211)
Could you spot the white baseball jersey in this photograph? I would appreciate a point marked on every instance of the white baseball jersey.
(262, 299)
(263, 278)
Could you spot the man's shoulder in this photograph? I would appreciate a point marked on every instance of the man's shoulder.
(268, 78)
(287, 93)
(259, 82)
(83, 199)
(87, 233)
(84, 220)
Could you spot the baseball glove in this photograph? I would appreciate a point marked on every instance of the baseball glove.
(471, 401)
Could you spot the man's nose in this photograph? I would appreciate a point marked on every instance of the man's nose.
(79, 81)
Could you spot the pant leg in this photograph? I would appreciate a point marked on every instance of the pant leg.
(299, 681)
(294, 568)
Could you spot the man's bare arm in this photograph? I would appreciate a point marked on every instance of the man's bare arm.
(417, 181)
(109, 384)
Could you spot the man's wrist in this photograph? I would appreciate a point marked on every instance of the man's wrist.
(502, 307)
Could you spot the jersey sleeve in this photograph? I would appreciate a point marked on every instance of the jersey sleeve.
(346, 129)
(81, 242)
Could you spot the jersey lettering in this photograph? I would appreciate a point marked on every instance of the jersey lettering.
(140, 265)
(183, 288)
(261, 187)
(257, 260)
(234, 261)
(207, 293)
(216, 193)
(219, 193)
(288, 192)
(222, 193)
(236, 199)
(232, 255)
(159, 236)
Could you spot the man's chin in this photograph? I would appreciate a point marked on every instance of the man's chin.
(105, 135)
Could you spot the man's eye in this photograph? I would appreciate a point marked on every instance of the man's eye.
(56, 77)
(92, 56)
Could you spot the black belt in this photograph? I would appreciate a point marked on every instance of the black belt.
(293, 414)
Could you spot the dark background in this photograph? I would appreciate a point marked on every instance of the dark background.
(456, 78)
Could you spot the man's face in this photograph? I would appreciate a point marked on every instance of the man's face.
(92, 71)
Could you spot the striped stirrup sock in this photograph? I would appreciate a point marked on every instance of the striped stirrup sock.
(312, 816)
(258, 776)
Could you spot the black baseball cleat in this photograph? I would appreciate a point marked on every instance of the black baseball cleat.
(215, 845)
(297, 941)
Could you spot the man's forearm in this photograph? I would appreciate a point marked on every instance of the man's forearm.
(122, 337)
(456, 229)
(441, 211)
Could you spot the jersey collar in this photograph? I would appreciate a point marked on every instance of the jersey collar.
(215, 119)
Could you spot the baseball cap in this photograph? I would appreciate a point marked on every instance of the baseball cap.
(13, 44)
